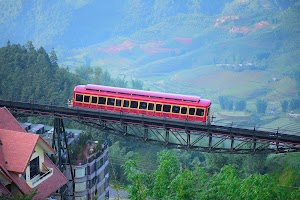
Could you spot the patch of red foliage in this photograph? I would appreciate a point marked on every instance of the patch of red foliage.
(239, 29)
(223, 19)
(261, 24)
(156, 47)
(183, 40)
(151, 47)
(126, 45)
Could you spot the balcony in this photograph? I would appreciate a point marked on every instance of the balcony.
(40, 177)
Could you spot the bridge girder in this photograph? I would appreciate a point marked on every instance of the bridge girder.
(194, 141)
(187, 135)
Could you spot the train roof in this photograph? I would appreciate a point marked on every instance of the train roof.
(142, 93)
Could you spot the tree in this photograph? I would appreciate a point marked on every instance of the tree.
(138, 188)
(184, 186)
(284, 105)
(261, 106)
(53, 58)
(258, 186)
(223, 185)
(97, 75)
(294, 104)
(167, 170)
(137, 84)
(240, 105)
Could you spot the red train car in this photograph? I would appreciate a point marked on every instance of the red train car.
(141, 102)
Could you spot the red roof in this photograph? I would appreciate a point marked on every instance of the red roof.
(16, 148)
(53, 183)
(8, 121)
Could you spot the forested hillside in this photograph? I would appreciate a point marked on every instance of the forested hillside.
(30, 74)
(241, 54)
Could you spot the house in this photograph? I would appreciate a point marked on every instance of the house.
(24, 164)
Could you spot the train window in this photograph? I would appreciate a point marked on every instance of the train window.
(143, 105)
(86, 99)
(166, 108)
(158, 107)
(94, 99)
(134, 104)
(183, 110)
(126, 104)
(150, 106)
(175, 109)
(110, 101)
(79, 97)
(118, 102)
(208, 111)
(192, 111)
(102, 100)
(200, 112)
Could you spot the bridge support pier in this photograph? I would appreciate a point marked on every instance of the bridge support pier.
(167, 137)
(60, 145)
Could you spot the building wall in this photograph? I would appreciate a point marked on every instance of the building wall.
(38, 152)
(91, 178)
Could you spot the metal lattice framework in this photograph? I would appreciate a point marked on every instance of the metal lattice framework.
(188, 135)
(204, 141)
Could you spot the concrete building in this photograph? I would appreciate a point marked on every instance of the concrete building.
(90, 173)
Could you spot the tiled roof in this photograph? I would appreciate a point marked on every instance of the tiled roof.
(53, 183)
(17, 148)
(7, 121)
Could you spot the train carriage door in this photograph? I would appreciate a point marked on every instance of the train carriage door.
(86, 101)
(183, 112)
(102, 102)
(125, 105)
(134, 106)
(200, 114)
(110, 103)
(158, 109)
(78, 100)
(175, 110)
(191, 113)
(143, 107)
(118, 105)
(166, 110)
(94, 101)
(150, 109)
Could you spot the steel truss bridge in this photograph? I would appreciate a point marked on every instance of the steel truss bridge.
(179, 134)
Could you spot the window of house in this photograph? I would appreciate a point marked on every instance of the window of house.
(94, 99)
(143, 105)
(34, 167)
(166, 108)
(175, 109)
(192, 111)
(134, 104)
(183, 110)
(158, 107)
(200, 112)
(111, 101)
(86, 99)
(102, 100)
(79, 97)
